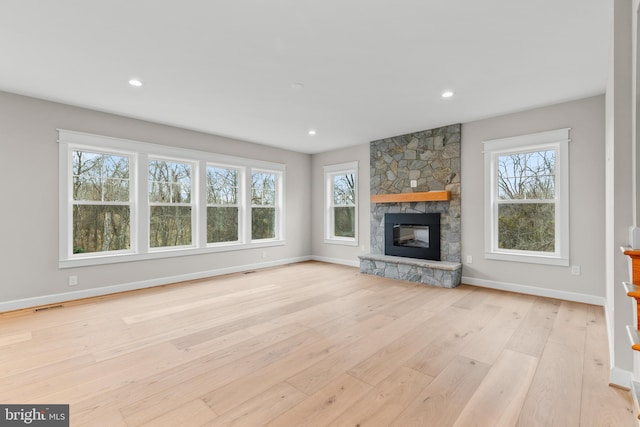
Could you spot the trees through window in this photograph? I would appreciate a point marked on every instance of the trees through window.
(264, 196)
(101, 202)
(223, 207)
(140, 201)
(526, 201)
(170, 203)
(344, 205)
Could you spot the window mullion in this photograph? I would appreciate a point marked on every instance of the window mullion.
(65, 206)
(200, 221)
(142, 204)
(246, 222)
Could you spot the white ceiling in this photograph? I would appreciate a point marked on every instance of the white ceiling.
(370, 68)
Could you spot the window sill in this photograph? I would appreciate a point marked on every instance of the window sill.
(531, 259)
(345, 242)
(168, 253)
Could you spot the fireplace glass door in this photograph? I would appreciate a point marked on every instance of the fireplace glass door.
(412, 235)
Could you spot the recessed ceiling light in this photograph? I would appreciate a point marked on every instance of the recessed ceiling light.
(312, 132)
(447, 94)
(135, 82)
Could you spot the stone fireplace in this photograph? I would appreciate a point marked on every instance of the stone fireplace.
(421, 163)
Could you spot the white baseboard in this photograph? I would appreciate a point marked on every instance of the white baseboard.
(532, 290)
(350, 263)
(620, 377)
(107, 290)
(608, 313)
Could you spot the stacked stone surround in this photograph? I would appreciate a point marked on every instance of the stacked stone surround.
(432, 159)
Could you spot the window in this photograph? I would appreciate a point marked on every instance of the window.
(124, 200)
(170, 203)
(101, 219)
(264, 205)
(223, 204)
(527, 203)
(341, 210)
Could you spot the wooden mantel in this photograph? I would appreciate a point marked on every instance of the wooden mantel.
(425, 196)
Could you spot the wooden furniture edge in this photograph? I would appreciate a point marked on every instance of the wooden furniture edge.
(634, 255)
(632, 252)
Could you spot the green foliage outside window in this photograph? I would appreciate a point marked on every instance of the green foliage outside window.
(101, 211)
(222, 224)
(263, 202)
(98, 228)
(527, 227)
(344, 200)
(170, 226)
(345, 222)
(170, 199)
(263, 223)
(526, 201)
(222, 201)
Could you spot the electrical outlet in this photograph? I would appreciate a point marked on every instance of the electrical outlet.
(469, 259)
(264, 254)
(414, 183)
(73, 280)
(575, 270)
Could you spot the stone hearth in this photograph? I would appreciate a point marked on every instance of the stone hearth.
(432, 159)
(436, 273)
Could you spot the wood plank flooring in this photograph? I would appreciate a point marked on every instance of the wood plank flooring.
(314, 344)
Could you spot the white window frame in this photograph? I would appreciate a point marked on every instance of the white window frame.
(330, 171)
(557, 140)
(278, 206)
(140, 153)
(192, 204)
(239, 204)
(66, 199)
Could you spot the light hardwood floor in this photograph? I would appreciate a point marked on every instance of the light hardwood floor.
(314, 344)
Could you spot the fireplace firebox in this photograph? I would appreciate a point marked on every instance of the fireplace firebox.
(412, 235)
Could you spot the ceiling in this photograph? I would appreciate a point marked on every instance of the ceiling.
(269, 71)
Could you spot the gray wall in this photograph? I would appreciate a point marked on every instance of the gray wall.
(587, 194)
(29, 212)
(331, 252)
